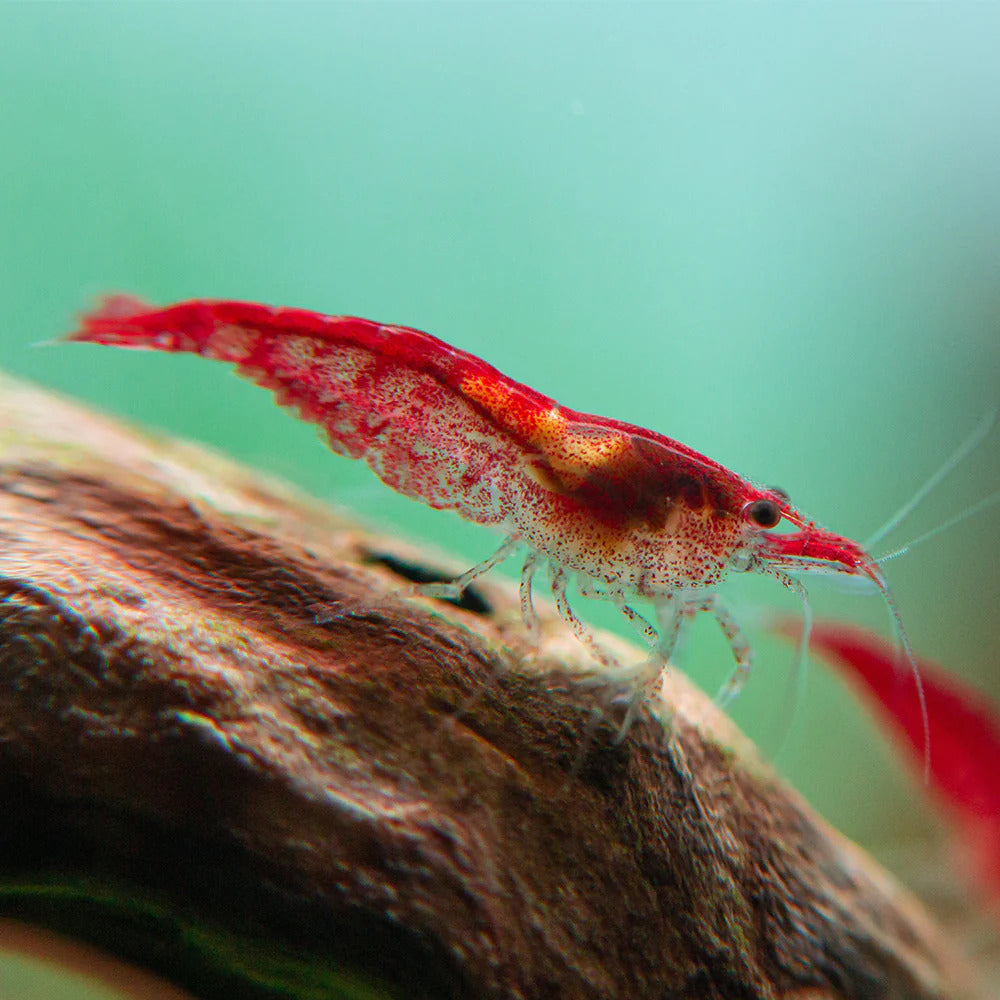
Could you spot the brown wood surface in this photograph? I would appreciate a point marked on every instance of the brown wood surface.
(222, 720)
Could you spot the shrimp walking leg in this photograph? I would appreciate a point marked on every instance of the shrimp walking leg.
(586, 637)
(528, 614)
(646, 675)
(673, 613)
(669, 616)
(742, 652)
(641, 626)
(454, 588)
(639, 681)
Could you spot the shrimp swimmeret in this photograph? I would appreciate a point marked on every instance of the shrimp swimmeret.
(625, 512)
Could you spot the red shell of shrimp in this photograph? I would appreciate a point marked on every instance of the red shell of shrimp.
(814, 547)
(445, 427)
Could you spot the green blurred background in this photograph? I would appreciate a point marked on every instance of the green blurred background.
(771, 232)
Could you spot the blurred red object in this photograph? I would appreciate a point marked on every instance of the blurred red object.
(964, 767)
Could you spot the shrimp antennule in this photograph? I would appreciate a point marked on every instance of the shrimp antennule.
(971, 511)
(979, 434)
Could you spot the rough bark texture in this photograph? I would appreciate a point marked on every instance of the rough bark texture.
(231, 748)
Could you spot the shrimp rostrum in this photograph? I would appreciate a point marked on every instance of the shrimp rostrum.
(621, 512)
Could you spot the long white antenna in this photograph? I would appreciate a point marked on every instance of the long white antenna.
(981, 430)
(976, 508)
(907, 650)
(794, 691)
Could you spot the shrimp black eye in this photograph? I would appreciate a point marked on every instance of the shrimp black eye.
(765, 513)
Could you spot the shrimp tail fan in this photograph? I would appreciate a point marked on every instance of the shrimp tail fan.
(108, 322)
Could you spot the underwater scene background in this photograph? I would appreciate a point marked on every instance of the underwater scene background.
(772, 233)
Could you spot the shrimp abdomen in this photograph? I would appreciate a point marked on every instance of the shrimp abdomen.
(388, 395)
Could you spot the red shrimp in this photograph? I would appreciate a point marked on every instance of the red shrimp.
(625, 512)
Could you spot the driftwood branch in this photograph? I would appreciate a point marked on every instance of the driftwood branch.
(233, 750)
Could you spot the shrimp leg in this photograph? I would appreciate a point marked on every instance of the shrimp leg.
(454, 588)
(671, 615)
(642, 679)
(741, 649)
(638, 681)
(586, 637)
(528, 614)
(641, 626)
(617, 597)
